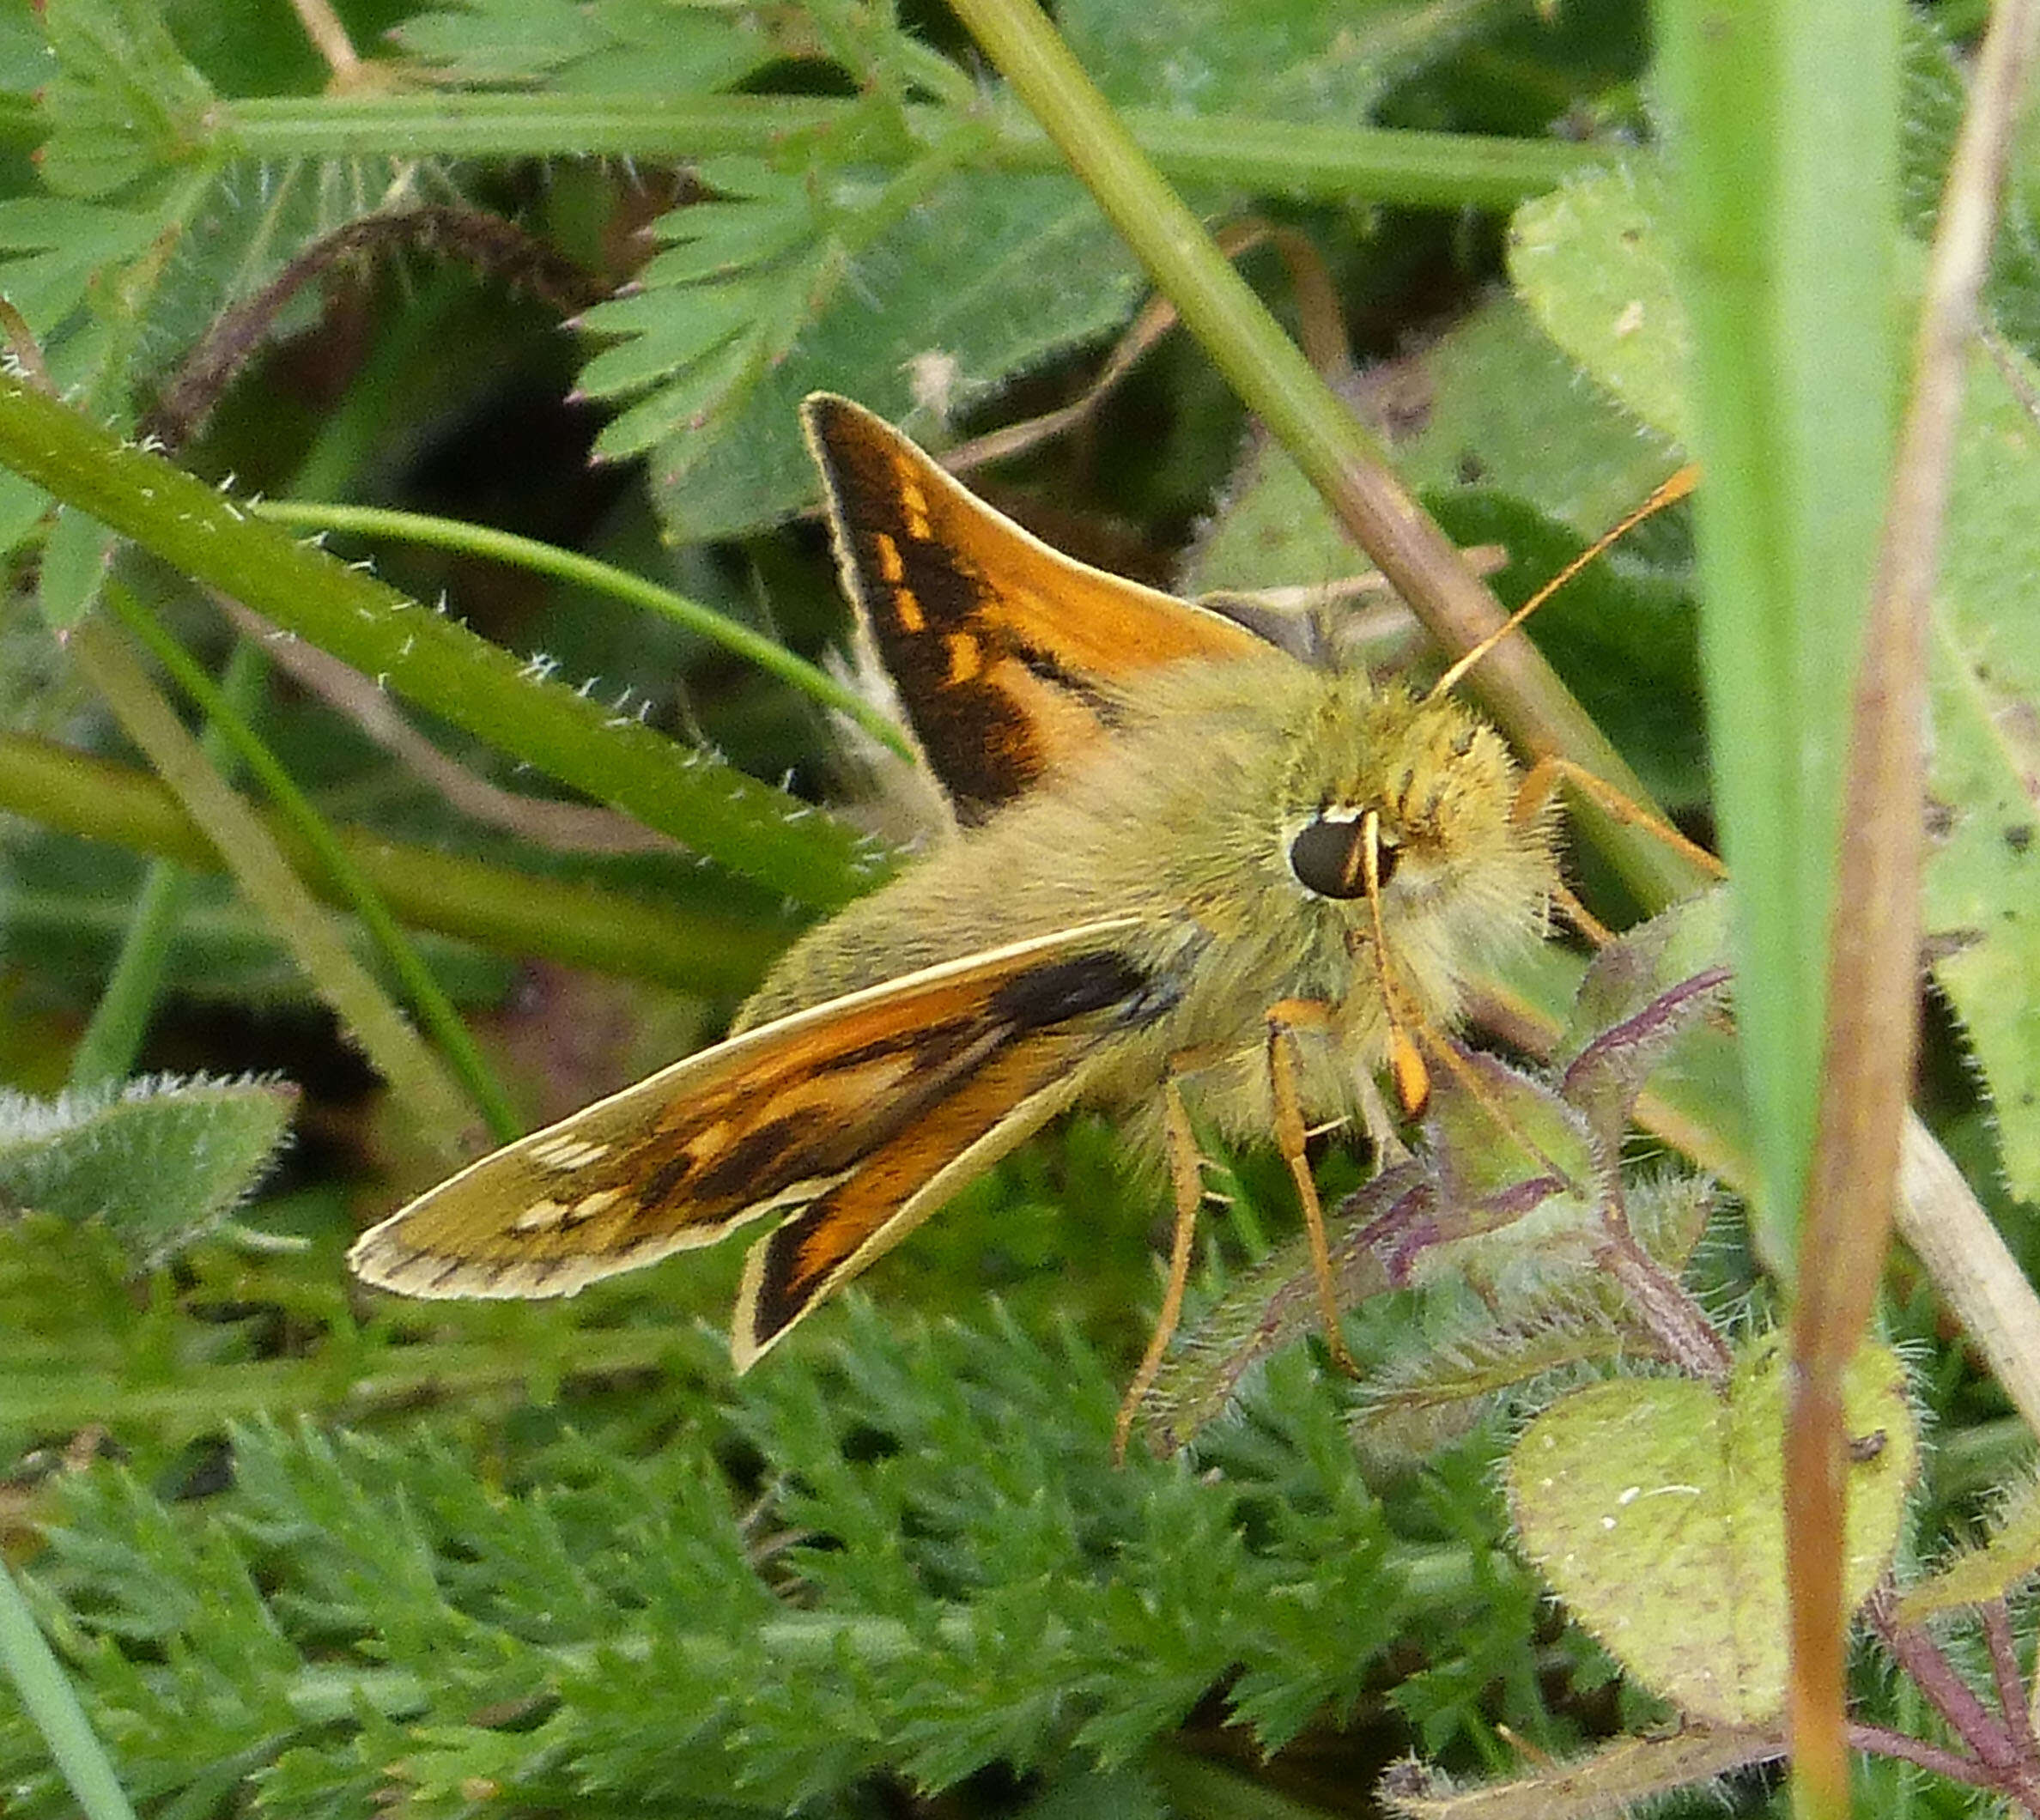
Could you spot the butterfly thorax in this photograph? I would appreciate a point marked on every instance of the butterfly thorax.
(1183, 820)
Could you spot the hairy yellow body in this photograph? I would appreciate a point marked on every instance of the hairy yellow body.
(1191, 870)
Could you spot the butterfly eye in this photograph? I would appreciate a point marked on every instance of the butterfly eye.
(1329, 854)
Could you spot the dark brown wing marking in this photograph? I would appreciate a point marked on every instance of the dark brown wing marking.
(856, 1220)
(773, 1120)
(1008, 655)
(1052, 1017)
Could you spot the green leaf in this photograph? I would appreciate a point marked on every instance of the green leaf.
(2007, 1560)
(1936, 94)
(1290, 59)
(990, 275)
(22, 508)
(1591, 261)
(744, 273)
(1656, 1509)
(691, 404)
(24, 52)
(118, 295)
(58, 255)
(1640, 998)
(663, 337)
(1982, 877)
(56, 246)
(958, 1578)
(160, 1161)
(755, 215)
(123, 102)
(608, 47)
(1532, 1313)
(1502, 409)
(1793, 274)
(923, 292)
(74, 565)
(1642, 975)
(1493, 404)
(481, 42)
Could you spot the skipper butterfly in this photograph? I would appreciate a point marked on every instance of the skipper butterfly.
(1191, 871)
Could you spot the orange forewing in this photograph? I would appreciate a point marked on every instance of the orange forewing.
(850, 1110)
(1010, 657)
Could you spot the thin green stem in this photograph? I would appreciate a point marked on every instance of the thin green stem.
(753, 828)
(113, 1039)
(416, 1081)
(55, 1394)
(1241, 152)
(427, 999)
(693, 940)
(548, 559)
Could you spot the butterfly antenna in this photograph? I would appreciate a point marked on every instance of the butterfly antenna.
(1405, 1060)
(1672, 490)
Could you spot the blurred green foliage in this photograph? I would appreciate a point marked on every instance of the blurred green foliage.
(306, 1551)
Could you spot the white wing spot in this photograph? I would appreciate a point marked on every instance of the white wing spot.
(544, 1216)
(591, 1204)
(567, 1152)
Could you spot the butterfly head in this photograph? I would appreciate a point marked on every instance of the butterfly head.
(1407, 806)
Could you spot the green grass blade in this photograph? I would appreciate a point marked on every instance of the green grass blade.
(1788, 270)
(433, 1010)
(46, 1694)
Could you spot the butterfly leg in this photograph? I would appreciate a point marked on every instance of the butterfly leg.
(1284, 1020)
(1185, 1173)
(1186, 1176)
